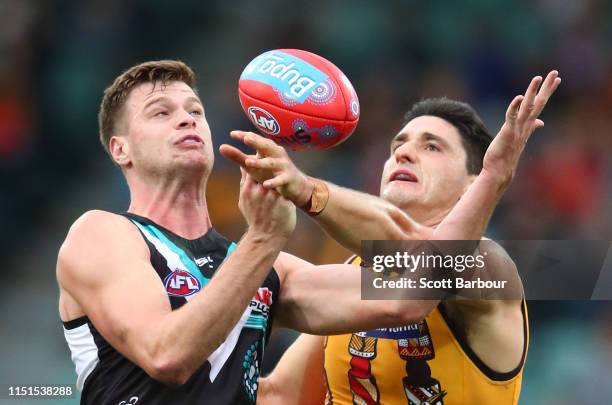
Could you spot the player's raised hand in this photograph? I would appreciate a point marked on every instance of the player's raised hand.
(522, 119)
(271, 166)
(265, 211)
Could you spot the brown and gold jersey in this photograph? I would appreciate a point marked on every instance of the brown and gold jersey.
(422, 363)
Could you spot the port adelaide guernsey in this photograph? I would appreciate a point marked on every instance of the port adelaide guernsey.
(229, 375)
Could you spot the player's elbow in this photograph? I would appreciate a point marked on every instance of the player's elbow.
(169, 371)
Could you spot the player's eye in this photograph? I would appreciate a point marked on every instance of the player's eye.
(196, 112)
(432, 147)
(161, 113)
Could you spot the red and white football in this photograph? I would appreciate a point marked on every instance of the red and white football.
(298, 99)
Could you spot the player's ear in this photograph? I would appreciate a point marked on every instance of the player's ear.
(120, 150)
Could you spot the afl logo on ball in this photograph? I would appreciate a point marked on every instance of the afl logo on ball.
(180, 283)
(264, 120)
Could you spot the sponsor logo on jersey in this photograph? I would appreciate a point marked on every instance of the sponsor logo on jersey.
(262, 301)
(264, 120)
(201, 261)
(287, 73)
(402, 332)
(180, 283)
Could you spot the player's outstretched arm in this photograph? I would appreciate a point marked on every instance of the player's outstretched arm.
(297, 379)
(105, 265)
(326, 300)
(349, 215)
(306, 294)
(471, 214)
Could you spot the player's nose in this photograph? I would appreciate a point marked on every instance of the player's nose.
(186, 120)
(406, 152)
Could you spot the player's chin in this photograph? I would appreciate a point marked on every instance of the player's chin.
(194, 159)
(399, 194)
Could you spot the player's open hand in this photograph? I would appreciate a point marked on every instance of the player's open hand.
(271, 166)
(522, 119)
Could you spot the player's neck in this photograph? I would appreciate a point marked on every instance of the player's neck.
(179, 206)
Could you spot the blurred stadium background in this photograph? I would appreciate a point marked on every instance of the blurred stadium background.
(57, 57)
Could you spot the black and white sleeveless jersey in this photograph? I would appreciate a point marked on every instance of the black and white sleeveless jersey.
(229, 375)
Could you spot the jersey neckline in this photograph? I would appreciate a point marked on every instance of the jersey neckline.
(209, 235)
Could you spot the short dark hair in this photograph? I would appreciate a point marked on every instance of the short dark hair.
(116, 94)
(475, 137)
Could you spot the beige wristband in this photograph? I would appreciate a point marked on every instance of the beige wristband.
(318, 199)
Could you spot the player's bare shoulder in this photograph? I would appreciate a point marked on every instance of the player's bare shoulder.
(93, 243)
(501, 267)
(498, 265)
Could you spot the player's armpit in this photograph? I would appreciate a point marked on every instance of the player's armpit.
(494, 329)
(298, 378)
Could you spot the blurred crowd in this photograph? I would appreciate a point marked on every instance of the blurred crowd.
(58, 56)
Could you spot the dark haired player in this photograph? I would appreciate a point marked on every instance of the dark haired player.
(462, 351)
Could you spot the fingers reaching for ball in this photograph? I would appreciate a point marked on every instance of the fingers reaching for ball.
(263, 146)
(271, 165)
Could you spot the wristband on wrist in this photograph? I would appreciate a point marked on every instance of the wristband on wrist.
(318, 199)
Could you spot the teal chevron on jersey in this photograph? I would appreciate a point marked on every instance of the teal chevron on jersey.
(168, 249)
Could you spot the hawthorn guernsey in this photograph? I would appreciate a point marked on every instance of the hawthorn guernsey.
(298, 99)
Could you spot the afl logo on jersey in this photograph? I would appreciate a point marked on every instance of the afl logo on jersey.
(180, 283)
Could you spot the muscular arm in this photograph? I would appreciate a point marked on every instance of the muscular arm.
(104, 264)
(297, 379)
(326, 300)
(351, 216)
(307, 290)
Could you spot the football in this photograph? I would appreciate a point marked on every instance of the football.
(298, 99)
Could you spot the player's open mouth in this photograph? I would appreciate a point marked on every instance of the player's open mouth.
(404, 175)
(189, 140)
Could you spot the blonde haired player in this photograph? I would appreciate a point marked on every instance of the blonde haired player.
(461, 352)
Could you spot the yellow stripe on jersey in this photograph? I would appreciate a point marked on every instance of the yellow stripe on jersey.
(415, 364)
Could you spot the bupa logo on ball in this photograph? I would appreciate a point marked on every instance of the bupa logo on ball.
(286, 73)
(264, 120)
(180, 283)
